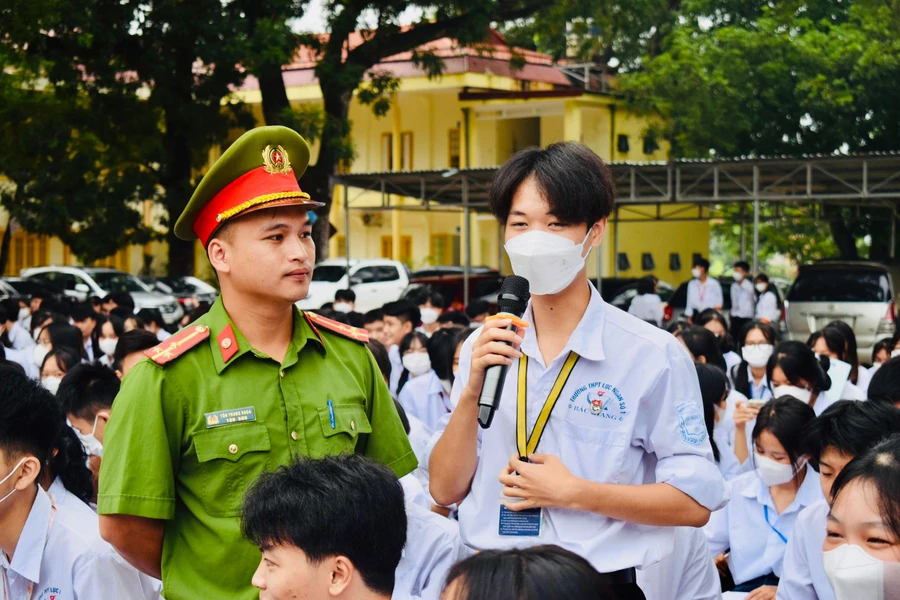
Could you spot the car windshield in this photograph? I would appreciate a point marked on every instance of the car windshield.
(329, 273)
(112, 281)
(832, 285)
(179, 286)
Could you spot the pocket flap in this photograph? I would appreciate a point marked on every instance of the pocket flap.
(232, 441)
(348, 418)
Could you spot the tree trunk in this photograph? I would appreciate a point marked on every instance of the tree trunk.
(843, 239)
(267, 72)
(4, 246)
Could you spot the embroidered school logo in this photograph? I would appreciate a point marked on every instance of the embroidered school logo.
(693, 426)
(50, 593)
(600, 400)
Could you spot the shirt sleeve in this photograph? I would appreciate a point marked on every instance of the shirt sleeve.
(691, 298)
(796, 581)
(718, 297)
(700, 580)
(107, 576)
(142, 447)
(716, 532)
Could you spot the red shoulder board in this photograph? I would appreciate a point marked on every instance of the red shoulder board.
(353, 333)
(178, 344)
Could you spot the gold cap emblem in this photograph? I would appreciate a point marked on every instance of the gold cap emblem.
(276, 160)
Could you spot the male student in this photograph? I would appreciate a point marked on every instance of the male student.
(431, 305)
(743, 299)
(844, 430)
(703, 291)
(605, 407)
(373, 323)
(478, 311)
(86, 395)
(130, 350)
(400, 319)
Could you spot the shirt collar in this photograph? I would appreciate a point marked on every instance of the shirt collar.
(587, 339)
(30, 547)
(219, 323)
(809, 492)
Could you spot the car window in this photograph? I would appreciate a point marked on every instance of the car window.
(377, 274)
(112, 281)
(387, 273)
(832, 285)
(329, 273)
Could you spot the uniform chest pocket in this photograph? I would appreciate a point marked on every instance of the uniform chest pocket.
(592, 453)
(230, 458)
(572, 429)
(341, 426)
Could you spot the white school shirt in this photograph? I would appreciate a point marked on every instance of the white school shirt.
(761, 391)
(701, 296)
(864, 378)
(396, 367)
(25, 359)
(650, 430)
(804, 575)
(767, 307)
(424, 398)
(743, 299)
(72, 563)
(647, 307)
(162, 335)
(686, 574)
(89, 350)
(20, 338)
(732, 360)
(64, 498)
(756, 549)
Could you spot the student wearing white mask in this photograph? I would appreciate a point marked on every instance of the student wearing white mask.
(881, 353)
(608, 418)
(703, 291)
(755, 345)
(344, 301)
(743, 299)
(845, 430)
(831, 342)
(421, 391)
(756, 524)
(87, 395)
(12, 334)
(431, 305)
(57, 363)
(861, 554)
(767, 305)
(860, 376)
(110, 332)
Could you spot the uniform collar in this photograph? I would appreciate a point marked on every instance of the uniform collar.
(809, 492)
(30, 547)
(587, 339)
(228, 344)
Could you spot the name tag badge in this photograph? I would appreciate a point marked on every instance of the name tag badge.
(521, 523)
(230, 417)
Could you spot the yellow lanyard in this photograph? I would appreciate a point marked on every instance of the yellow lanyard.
(528, 446)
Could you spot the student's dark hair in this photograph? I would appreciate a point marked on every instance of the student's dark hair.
(726, 343)
(701, 262)
(152, 315)
(441, 346)
(86, 389)
(7, 366)
(797, 361)
(82, 312)
(713, 385)
(834, 340)
(32, 422)
(382, 359)
(372, 316)
(198, 312)
(63, 335)
(9, 310)
(786, 418)
(136, 340)
(117, 323)
(66, 359)
(536, 573)
(880, 467)
(404, 418)
(739, 374)
(70, 465)
(122, 299)
(432, 296)
(573, 180)
(95, 300)
(123, 313)
(456, 317)
(850, 427)
(885, 383)
(701, 342)
(344, 505)
(646, 285)
(345, 295)
(477, 307)
(742, 264)
(675, 327)
(42, 316)
(405, 345)
(403, 310)
(851, 352)
(885, 345)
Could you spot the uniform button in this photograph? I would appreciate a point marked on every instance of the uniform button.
(282, 373)
(353, 425)
(201, 329)
(294, 435)
(226, 343)
(233, 448)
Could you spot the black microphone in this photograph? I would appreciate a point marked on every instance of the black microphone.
(512, 301)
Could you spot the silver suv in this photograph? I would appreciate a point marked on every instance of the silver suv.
(859, 293)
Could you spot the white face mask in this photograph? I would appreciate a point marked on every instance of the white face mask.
(696, 272)
(549, 262)
(342, 307)
(108, 346)
(51, 384)
(417, 363)
(429, 315)
(10, 474)
(854, 574)
(91, 444)
(761, 287)
(24, 313)
(739, 277)
(39, 354)
(774, 473)
(757, 355)
(792, 390)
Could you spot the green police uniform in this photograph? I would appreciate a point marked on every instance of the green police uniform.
(207, 413)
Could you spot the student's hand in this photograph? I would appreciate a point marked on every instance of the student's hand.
(489, 350)
(543, 482)
(743, 414)
(722, 564)
(766, 592)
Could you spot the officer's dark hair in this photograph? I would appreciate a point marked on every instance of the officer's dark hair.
(702, 263)
(403, 310)
(885, 383)
(406, 344)
(382, 359)
(432, 296)
(797, 361)
(69, 463)
(456, 317)
(32, 422)
(572, 179)
(441, 346)
(345, 295)
(344, 505)
(534, 573)
(404, 419)
(883, 345)
(786, 418)
(372, 316)
(136, 340)
(851, 352)
(66, 359)
(117, 323)
(739, 374)
(726, 342)
(878, 466)
(86, 389)
(702, 343)
(152, 315)
(713, 385)
(850, 428)
(646, 285)
(742, 264)
(63, 335)
(476, 308)
(82, 312)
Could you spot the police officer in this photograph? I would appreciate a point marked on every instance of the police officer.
(243, 389)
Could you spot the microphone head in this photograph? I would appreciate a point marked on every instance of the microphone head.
(514, 295)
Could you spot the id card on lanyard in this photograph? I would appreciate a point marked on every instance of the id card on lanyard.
(529, 522)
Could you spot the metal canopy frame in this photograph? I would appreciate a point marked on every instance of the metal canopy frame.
(860, 180)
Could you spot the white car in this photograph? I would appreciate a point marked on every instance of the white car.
(375, 282)
(81, 283)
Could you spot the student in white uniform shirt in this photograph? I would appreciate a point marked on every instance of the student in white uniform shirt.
(47, 549)
(703, 291)
(647, 305)
(687, 573)
(743, 299)
(757, 522)
(846, 429)
(755, 345)
(12, 335)
(154, 323)
(624, 456)
(767, 304)
(859, 375)
(110, 332)
(87, 321)
(420, 390)
(714, 388)
(715, 321)
(830, 341)
(400, 319)
(431, 305)
(881, 353)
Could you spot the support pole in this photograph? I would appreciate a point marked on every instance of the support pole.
(755, 219)
(467, 239)
(743, 231)
(347, 225)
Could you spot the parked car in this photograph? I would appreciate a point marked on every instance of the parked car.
(375, 281)
(628, 292)
(80, 283)
(859, 293)
(20, 287)
(678, 302)
(484, 284)
(190, 291)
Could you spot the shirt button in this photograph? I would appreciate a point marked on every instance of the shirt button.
(294, 435)
(233, 448)
(353, 425)
(226, 343)
(282, 373)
